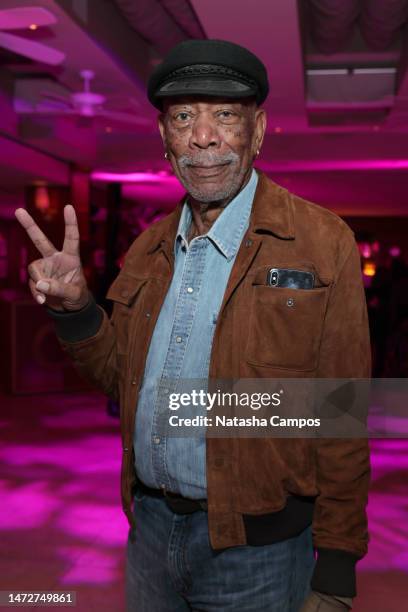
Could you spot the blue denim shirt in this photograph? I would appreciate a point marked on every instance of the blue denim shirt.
(180, 348)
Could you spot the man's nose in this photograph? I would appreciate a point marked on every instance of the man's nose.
(204, 133)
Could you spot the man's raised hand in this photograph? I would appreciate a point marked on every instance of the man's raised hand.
(56, 278)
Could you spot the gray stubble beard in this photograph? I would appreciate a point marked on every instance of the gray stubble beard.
(215, 195)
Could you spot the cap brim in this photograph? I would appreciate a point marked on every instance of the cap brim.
(206, 87)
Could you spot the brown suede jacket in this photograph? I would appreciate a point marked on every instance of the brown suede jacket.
(324, 336)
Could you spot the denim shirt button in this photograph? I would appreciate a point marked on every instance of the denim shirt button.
(190, 313)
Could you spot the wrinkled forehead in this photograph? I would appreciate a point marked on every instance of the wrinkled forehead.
(201, 102)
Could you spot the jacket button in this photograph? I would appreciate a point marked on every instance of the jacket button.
(134, 382)
(125, 449)
(290, 302)
(148, 314)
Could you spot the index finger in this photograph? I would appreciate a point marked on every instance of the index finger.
(37, 236)
(71, 239)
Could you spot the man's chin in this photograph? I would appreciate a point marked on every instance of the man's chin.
(206, 196)
(207, 193)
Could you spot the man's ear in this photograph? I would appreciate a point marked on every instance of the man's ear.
(160, 120)
(260, 127)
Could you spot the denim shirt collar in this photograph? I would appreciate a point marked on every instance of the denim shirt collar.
(227, 231)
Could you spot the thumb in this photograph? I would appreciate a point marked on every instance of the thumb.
(66, 291)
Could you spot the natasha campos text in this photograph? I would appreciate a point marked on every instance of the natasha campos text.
(252, 421)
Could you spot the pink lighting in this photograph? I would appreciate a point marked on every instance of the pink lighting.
(88, 566)
(365, 250)
(61, 456)
(297, 165)
(337, 141)
(42, 504)
(42, 198)
(310, 165)
(395, 251)
(88, 521)
(132, 177)
(61, 516)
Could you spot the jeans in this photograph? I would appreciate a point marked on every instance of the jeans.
(171, 567)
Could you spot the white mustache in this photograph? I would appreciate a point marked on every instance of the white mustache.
(207, 160)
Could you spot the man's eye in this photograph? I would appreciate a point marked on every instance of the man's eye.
(182, 116)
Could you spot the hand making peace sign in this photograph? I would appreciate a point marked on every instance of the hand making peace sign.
(57, 277)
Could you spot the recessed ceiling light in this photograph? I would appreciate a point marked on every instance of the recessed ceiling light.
(33, 26)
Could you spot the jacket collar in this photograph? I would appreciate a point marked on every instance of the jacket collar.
(272, 212)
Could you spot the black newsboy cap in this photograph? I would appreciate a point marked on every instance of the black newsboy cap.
(208, 67)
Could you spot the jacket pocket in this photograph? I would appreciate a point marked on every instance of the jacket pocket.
(125, 292)
(285, 326)
(125, 288)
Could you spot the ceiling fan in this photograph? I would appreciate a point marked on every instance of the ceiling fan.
(85, 104)
(23, 18)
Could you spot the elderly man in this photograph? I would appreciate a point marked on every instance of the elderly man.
(224, 523)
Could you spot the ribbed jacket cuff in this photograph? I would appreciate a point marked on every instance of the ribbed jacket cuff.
(335, 572)
(78, 325)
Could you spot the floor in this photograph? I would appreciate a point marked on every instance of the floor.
(61, 523)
